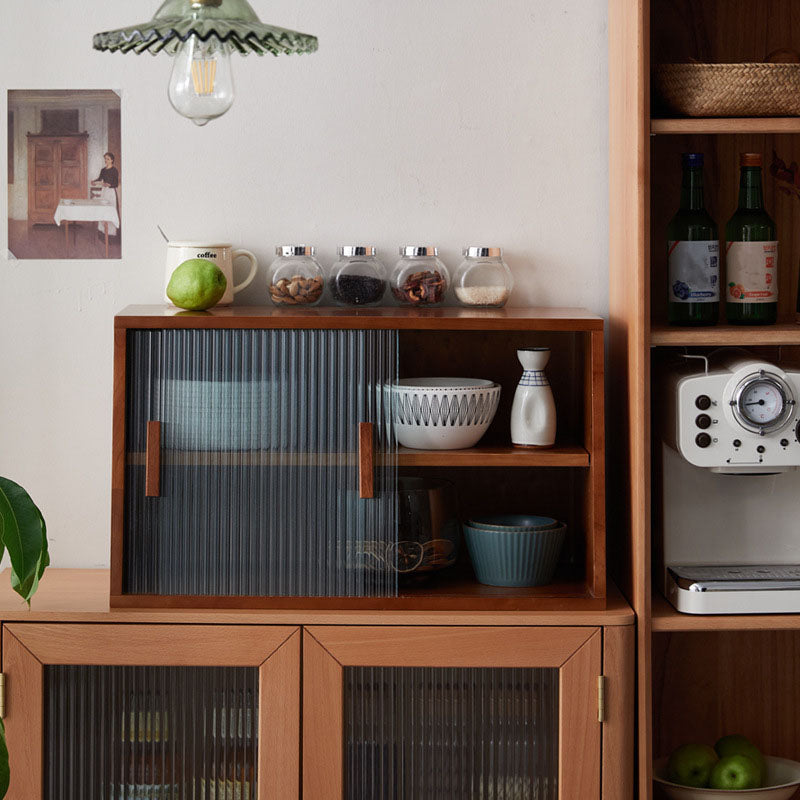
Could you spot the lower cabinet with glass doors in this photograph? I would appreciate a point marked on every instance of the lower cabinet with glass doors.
(250, 712)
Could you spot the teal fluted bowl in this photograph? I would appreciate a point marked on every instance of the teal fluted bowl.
(513, 522)
(514, 558)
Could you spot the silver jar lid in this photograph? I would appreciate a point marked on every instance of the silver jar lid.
(483, 252)
(419, 250)
(350, 250)
(295, 250)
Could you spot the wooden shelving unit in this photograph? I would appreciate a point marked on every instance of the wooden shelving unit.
(690, 669)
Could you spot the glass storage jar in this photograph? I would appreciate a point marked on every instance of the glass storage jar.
(483, 278)
(419, 277)
(295, 276)
(358, 278)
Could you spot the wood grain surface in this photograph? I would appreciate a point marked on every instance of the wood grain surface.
(24, 718)
(709, 684)
(544, 318)
(323, 722)
(629, 331)
(579, 728)
(279, 722)
(452, 647)
(167, 645)
(619, 729)
(67, 595)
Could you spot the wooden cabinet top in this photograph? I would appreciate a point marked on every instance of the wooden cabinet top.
(82, 595)
(441, 318)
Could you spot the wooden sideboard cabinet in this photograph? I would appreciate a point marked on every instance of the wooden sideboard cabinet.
(346, 705)
(57, 169)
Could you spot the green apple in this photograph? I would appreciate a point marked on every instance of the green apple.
(738, 745)
(197, 284)
(736, 772)
(691, 765)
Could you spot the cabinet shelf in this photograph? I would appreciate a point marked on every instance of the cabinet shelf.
(456, 593)
(496, 456)
(481, 456)
(787, 333)
(731, 125)
(667, 620)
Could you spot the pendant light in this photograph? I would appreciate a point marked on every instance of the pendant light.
(201, 35)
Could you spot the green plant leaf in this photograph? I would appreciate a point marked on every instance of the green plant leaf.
(24, 534)
(5, 775)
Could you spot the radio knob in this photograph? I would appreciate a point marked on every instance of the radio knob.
(703, 402)
(703, 421)
(702, 440)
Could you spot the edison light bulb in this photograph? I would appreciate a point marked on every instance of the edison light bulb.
(201, 84)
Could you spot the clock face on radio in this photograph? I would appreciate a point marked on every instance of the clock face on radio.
(762, 403)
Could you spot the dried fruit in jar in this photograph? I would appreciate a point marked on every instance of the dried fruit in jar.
(421, 288)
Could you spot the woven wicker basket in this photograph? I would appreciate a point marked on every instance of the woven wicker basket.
(729, 90)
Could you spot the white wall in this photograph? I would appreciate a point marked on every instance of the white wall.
(445, 121)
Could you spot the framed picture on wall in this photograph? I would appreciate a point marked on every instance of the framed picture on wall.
(64, 174)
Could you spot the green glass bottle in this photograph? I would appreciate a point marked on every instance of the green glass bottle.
(751, 253)
(693, 253)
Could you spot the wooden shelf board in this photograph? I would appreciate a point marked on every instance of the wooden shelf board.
(569, 320)
(666, 619)
(496, 456)
(481, 456)
(82, 595)
(730, 125)
(442, 593)
(786, 333)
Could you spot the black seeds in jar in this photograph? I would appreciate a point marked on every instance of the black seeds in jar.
(357, 290)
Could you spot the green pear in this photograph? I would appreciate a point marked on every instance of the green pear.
(738, 745)
(197, 284)
(691, 765)
(735, 772)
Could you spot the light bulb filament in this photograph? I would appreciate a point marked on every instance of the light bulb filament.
(204, 74)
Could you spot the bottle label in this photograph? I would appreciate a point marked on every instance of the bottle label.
(694, 272)
(752, 272)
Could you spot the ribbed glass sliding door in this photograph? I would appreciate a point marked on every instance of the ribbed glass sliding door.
(422, 732)
(256, 459)
(150, 733)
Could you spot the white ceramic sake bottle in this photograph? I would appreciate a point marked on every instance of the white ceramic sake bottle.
(533, 415)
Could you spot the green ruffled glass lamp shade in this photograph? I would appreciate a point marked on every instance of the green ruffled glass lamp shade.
(201, 35)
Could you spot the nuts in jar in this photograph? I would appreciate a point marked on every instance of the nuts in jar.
(295, 277)
(296, 290)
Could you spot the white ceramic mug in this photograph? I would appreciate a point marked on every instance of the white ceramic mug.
(222, 255)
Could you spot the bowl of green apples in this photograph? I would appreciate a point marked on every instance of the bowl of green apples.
(734, 764)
